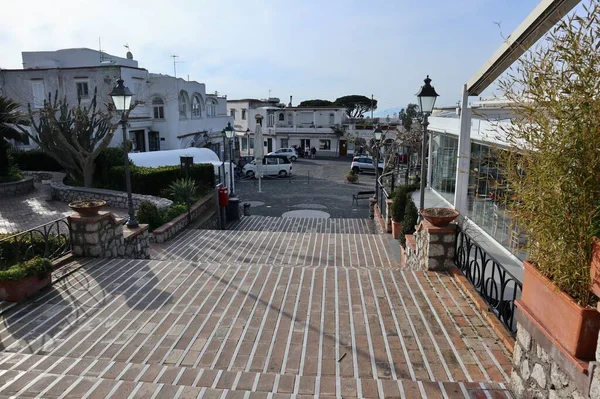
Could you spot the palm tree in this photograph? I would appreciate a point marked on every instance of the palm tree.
(10, 118)
(184, 190)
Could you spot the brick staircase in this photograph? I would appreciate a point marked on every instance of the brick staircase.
(274, 308)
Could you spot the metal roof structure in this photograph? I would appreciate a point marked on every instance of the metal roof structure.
(536, 25)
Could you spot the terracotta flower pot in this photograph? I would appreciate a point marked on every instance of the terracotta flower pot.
(87, 207)
(595, 267)
(19, 290)
(396, 229)
(351, 178)
(574, 327)
(440, 217)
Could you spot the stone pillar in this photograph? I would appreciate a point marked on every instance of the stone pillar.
(435, 246)
(101, 236)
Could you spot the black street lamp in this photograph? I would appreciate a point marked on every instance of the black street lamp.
(230, 134)
(427, 97)
(377, 133)
(121, 96)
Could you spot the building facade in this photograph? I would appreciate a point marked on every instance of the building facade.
(288, 126)
(172, 113)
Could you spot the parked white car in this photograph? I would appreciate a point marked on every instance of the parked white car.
(273, 165)
(290, 153)
(362, 164)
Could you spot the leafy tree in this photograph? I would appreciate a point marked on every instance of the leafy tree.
(356, 105)
(74, 136)
(315, 103)
(409, 115)
(10, 120)
(339, 130)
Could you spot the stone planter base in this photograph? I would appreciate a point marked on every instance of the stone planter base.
(20, 290)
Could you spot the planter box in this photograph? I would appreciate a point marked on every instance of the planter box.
(19, 290)
(396, 229)
(573, 327)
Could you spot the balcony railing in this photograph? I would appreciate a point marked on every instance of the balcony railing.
(51, 240)
(498, 288)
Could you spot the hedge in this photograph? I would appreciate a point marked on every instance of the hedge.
(26, 246)
(39, 267)
(153, 181)
(36, 160)
(148, 213)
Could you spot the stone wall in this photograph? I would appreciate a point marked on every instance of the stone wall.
(38, 177)
(206, 208)
(103, 236)
(18, 187)
(542, 370)
(433, 247)
(114, 199)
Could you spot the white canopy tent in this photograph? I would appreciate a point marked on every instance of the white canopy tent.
(154, 159)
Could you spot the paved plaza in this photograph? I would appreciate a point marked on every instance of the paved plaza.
(272, 307)
(316, 184)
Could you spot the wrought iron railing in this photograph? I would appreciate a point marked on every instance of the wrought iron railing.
(498, 287)
(51, 240)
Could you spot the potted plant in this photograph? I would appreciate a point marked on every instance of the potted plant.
(440, 217)
(551, 165)
(87, 207)
(352, 177)
(399, 201)
(20, 281)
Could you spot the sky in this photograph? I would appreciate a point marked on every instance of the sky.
(309, 49)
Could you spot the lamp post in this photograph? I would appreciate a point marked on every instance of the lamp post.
(427, 97)
(377, 133)
(248, 141)
(230, 133)
(121, 96)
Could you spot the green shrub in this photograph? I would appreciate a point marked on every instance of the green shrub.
(107, 159)
(27, 246)
(39, 267)
(153, 181)
(36, 160)
(14, 174)
(399, 200)
(148, 213)
(411, 216)
(552, 162)
(174, 211)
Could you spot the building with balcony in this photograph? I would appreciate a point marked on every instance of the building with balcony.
(288, 126)
(173, 113)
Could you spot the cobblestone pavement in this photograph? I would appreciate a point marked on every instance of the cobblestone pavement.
(27, 211)
(193, 325)
(316, 184)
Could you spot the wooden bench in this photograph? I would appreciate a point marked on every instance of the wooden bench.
(362, 195)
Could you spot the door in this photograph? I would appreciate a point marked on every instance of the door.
(140, 140)
(343, 148)
(153, 141)
(269, 145)
(271, 166)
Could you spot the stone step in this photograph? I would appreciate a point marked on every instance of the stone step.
(304, 225)
(289, 248)
(30, 374)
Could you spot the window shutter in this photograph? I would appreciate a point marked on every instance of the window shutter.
(38, 94)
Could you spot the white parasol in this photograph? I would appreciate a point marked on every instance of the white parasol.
(258, 150)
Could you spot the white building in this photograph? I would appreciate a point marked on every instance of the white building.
(174, 113)
(287, 126)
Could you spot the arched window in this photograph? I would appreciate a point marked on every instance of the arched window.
(281, 117)
(331, 119)
(158, 107)
(196, 106)
(183, 104)
(290, 119)
(211, 107)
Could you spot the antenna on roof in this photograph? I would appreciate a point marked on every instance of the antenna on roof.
(175, 62)
(103, 57)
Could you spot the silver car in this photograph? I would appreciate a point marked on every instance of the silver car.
(290, 153)
(362, 164)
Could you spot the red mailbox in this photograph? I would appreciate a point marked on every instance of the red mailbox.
(223, 196)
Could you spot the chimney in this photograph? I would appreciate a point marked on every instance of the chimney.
(290, 104)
